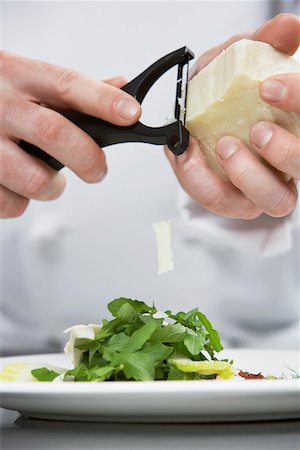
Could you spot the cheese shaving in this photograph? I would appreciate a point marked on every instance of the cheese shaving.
(163, 237)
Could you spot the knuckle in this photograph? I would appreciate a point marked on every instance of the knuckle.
(288, 159)
(283, 154)
(48, 128)
(213, 199)
(101, 99)
(240, 173)
(284, 202)
(35, 184)
(189, 168)
(64, 81)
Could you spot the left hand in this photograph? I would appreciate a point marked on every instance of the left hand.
(253, 188)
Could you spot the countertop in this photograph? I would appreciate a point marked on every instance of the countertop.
(19, 433)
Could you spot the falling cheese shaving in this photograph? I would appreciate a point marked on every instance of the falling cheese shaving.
(163, 237)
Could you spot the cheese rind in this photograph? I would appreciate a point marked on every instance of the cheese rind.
(223, 98)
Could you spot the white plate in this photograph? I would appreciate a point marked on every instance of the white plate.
(164, 401)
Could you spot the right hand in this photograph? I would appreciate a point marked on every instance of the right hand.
(31, 94)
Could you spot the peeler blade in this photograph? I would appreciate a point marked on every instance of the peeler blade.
(181, 92)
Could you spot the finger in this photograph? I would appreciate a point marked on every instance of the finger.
(259, 183)
(277, 146)
(58, 137)
(207, 188)
(27, 176)
(282, 32)
(282, 91)
(212, 53)
(118, 81)
(67, 88)
(11, 204)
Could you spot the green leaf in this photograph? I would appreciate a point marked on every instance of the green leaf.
(194, 341)
(44, 374)
(138, 366)
(190, 315)
(139, 337)
(91, 346)
(135, 325)
(108, 328)
(108, 353)
(80, 373)
(169, 333)
(175, 374)
(213, 334)
(162, 371)
(100, 373)
(97, 360)
(115, 305)
(157, 351)
(180, 350)
(86, 345)
(185, 319)
(126, 313)
(118, 342)
(83, 373)
(93, 350)
(141, 365)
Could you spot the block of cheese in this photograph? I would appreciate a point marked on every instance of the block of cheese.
(223, 98)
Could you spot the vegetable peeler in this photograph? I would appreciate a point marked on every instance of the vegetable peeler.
(174, 135)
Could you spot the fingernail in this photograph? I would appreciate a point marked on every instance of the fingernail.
(127, 108)
(226, 147)
(273, 90)
(261, 133)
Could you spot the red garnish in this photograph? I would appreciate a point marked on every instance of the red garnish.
(251, 376)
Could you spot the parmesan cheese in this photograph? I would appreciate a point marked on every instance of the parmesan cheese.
(223, 98)
(163, 237)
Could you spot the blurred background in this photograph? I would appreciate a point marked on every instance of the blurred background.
(63, 261)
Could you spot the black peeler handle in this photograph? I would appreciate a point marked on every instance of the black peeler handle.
(174, 135)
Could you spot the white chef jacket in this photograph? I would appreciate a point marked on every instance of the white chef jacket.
(61, 262)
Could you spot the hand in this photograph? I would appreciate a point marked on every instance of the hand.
(31, 95)
(253, 188)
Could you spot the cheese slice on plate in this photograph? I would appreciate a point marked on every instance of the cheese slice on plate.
(223, 98)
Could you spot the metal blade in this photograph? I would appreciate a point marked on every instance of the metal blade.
(181, 91)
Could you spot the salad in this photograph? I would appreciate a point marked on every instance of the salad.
(139, 343)
(142, 344)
